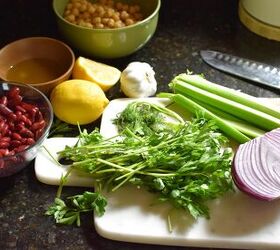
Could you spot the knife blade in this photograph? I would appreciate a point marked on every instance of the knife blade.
(259, 72)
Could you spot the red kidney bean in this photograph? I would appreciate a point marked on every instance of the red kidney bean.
(26, 121)
(12, 116)
(21, 148)
(11, 125)
(6, 138)
(38, 133)
(39, 116)
(4, 110)
(16, 136)
(23, 140)
(38, 125)
(11, 152)
(19, 126)
(30, 141)
(15, 143)
(25, 132)
(4, 144)
(4, 151)
(18, 113)
(14, 91)
(4, 100)
(29, 107)
(21, 123)
(16, 100)
(4, 129)
(20, 108)
(2, 125)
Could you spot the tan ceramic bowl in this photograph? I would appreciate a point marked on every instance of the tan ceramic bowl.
(47, 62)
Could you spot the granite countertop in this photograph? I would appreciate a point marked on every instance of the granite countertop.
(185, 28)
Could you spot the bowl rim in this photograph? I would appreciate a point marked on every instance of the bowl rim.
(102, 30)
(68, 48)
(47, 129)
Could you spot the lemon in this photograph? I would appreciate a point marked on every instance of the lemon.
(104, 75)
(78, 101)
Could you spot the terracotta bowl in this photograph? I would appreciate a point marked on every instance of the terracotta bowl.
(42, 62)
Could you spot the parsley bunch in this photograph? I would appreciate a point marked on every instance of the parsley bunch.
(185, 166)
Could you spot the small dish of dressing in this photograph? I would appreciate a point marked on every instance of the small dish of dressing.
(42, 62)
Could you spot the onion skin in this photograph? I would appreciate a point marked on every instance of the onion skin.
(256, 167)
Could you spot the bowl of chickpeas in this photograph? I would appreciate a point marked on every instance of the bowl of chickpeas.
(107, 28)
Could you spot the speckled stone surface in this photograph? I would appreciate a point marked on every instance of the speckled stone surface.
(185, 28)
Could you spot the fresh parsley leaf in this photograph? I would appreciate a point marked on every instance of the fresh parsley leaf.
(68, 212)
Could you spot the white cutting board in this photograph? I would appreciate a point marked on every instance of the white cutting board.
(237, 221)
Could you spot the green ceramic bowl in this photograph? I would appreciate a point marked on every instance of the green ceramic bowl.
(110, 43)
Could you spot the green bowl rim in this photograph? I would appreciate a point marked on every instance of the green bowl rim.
(155, 12)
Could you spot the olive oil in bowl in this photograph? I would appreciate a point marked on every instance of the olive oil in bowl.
(34, 71)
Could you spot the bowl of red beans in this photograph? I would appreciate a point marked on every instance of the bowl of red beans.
(107, 28)
(26, 116)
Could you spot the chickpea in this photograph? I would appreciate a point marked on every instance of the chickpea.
(75, 12)
(83, 7)
(102, 14)
(85, 15)
(119, 24)
(77, 5)
(67, 12)
(81, 22)
(99, 8)
(91, 9)
(105, 20)
(100, 25)
(71, 18)
(110, 12)
(116, 16)
(96, 20)
(69, 6)
(119, 6)
(124, 15)
(111, 23)
(88, 25)
(129, 21)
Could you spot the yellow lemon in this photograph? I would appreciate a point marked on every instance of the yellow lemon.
(104, 75)
(78, 101)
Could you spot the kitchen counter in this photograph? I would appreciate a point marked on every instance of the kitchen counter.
(185, 28)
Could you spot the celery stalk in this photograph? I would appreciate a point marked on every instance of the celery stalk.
(241, 125)
(231, 94)
(251, 115)
(245, 128)
(195, 108)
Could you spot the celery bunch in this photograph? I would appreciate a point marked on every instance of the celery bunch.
(238, 115)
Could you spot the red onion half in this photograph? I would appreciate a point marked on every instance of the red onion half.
(256, 166)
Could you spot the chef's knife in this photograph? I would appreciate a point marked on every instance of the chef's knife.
(251, 70)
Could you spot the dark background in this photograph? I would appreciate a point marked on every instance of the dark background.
(185, 28)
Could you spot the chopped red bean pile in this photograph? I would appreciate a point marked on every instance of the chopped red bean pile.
(21, 123)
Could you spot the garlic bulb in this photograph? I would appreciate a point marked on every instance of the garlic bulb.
(138, 80)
